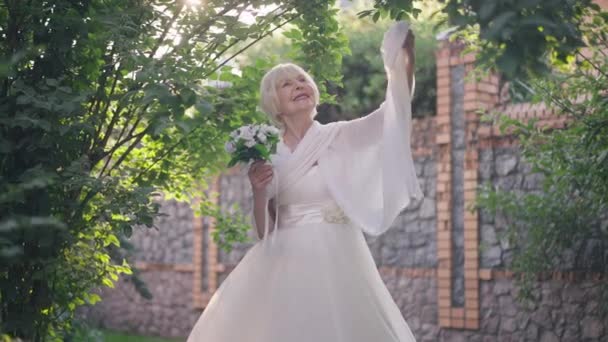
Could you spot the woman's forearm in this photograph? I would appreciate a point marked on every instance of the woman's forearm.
(259, 208)
(411, 61)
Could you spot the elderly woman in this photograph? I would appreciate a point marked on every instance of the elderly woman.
(311, 277)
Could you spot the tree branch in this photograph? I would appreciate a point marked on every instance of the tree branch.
(203, 28)
(138, 138)
(168, 26)
(109, 154)
(171, 148)
(595, 66)
(248, 46)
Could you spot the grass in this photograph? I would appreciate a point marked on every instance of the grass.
(113, 336)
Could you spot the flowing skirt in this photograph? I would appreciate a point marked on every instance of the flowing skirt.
(315, 283)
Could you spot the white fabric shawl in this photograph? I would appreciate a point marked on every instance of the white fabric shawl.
(366, 162)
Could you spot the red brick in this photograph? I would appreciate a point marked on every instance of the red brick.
(443, 71)
(443, 109)
(443, 215)
(458, 313)
(444, 273)
(470, 274)
(444, 244)
(443, 82)
(444, 92)
(443, 61)
(443, 206)
(470, 174)
(472, 253)
(469, 58)
(442, 119)
(471, 304)
(471, 265)
(444, 253)
(443, 226)
(470, 89)
(457, 322)
(445, 293)
(471, 284)
(485, 274)
(471, 324)
(442, 138)
(470, 195)
(471, 294)
(444, 235)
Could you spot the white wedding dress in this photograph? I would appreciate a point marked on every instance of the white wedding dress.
(317, 282)
(313, 278)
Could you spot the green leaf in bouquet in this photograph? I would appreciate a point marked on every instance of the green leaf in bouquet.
(233, 162)
(262, 149)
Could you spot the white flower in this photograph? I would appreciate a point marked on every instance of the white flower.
(230, 147)
(250, 143)
(261, 136)
(247, 132)
(271, 129)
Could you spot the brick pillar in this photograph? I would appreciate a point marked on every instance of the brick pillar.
(201, 292)
(459, 98)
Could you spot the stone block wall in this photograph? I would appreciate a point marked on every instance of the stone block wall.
(164, 258)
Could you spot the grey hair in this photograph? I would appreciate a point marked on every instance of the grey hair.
(268, 90)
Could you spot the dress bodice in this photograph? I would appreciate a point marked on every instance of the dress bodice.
(308, 200)
(310, 188)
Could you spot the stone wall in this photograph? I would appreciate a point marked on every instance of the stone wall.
(171, 243)
(164, 257)
(565, 312)
(169, 313)
(410, 241)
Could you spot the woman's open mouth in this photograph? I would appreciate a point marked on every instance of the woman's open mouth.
(301, 97)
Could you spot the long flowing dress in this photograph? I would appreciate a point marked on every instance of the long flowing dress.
(317, 280)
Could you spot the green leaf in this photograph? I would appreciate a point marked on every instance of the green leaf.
(376, 16)
(487, 10)
(107, 282)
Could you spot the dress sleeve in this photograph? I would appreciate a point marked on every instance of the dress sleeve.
(367, 129)
(374, 177)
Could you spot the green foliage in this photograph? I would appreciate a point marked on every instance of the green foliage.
(110, 336)
(393, 9)
(522, 36)
(318, 44)
(515, 36)
(230, 226)
(103, 106)
(570, 214)
(364, 75)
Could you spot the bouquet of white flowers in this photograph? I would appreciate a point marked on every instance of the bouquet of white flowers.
(252, 142)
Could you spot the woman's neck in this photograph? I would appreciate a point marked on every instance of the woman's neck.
(296, 128)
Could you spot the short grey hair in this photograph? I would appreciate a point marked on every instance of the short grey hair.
(268, 89)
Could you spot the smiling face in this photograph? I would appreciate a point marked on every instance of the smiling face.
(287, 90)
(295, 95)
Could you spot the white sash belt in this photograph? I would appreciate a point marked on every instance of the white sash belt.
(307, 213)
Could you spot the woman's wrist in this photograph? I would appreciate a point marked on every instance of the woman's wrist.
(259, 193)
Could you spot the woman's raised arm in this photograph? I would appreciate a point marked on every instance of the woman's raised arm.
(399, 63)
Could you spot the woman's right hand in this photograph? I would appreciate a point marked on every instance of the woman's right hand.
(260, 174)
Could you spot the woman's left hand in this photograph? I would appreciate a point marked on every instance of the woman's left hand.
(408, 47)
(408, 43)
